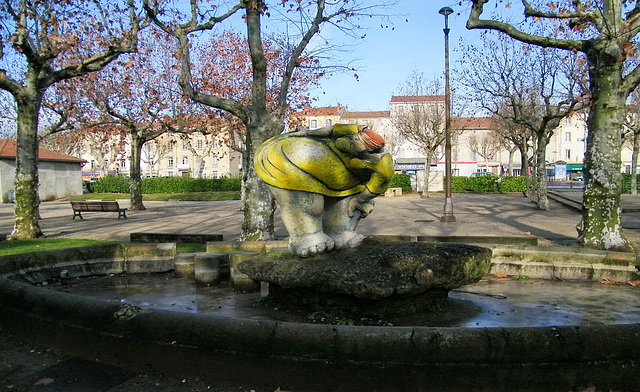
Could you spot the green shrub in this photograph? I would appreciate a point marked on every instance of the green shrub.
(512, 184)
(110, 184)
(488, 184)
(626, 182)
(119, 184)
(401, 181)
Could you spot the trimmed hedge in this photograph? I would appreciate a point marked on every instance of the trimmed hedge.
(120, 184)
(401, 181)
(110, 184)
(489, 184)
(626, 182)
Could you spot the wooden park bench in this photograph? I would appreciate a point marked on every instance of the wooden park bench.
(97, 206)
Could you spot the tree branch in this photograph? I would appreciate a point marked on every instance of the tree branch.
(474, 22)
(180, 33)
(101, 60)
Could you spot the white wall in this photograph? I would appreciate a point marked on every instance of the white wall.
(57, 179)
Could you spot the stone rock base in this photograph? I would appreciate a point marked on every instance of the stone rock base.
(380, 278)
(342, 306)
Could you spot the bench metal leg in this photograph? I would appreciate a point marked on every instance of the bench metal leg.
(122, 213)
(77, 213)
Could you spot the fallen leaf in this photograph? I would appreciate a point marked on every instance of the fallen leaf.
(527, 233)
(608, 281)
(45, 381)
(502, 276)
(635, 283)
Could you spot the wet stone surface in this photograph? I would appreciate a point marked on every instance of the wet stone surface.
(492, 302)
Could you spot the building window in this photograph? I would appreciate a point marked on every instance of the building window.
(170, 162)
(328, 122)
(314, 123)
(184, 145)
(185, 160)
(170, 145)
(214, 174)
(123, 164)
(214, 159)
(567, 136)
(199, 144)
(567, 154)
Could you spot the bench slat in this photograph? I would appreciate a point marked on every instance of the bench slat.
(97, 206)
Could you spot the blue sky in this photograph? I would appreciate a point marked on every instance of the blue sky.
(387, 57)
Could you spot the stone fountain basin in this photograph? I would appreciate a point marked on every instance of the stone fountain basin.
(393, 358)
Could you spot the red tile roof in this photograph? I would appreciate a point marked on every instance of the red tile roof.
(366, 114)
(472, 123)
(8, 150)
(417, 98)
(325, 111)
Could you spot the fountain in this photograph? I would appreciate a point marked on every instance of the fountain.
(378, 286)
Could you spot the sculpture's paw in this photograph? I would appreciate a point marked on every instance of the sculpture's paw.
(347, 239)
(311, 244)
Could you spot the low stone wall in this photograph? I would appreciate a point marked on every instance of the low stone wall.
(86, 261)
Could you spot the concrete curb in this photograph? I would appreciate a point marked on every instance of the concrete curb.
(410, 346)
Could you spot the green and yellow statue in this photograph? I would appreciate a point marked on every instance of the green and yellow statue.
(324, 181)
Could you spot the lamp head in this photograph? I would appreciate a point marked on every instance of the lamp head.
(446, 11)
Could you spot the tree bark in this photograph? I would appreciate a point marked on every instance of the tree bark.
(600, 226)
(26, 180)
(634, 163)
(135, 180)
(542, 199)
(427, 174)
(259, 205)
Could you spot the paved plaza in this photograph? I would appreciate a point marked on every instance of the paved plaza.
(476, 214)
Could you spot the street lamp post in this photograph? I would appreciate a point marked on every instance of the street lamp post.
(448, 204)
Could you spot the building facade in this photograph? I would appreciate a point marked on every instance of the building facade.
(60, 174)
(474, 145)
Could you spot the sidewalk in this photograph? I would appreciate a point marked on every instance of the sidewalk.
(476, 214)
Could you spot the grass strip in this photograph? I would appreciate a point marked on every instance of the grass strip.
(13, 247)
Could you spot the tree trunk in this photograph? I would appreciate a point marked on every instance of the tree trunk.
(259, 205)
(135, 180)
(634, 163)
(510, 168)
(600, 226)
(427, 174)
(198, 166)
(26, 181)
(541, 173)
(524, 169)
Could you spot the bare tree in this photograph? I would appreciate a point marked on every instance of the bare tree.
(605, 32)
(515, 136)
(52, 41)
(264, 114)
(421, 120)
(529, 86)
(486, 145)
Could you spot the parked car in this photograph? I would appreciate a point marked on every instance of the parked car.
(483, 174)
(579, 178)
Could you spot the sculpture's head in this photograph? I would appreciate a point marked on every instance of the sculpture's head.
(367, 140)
